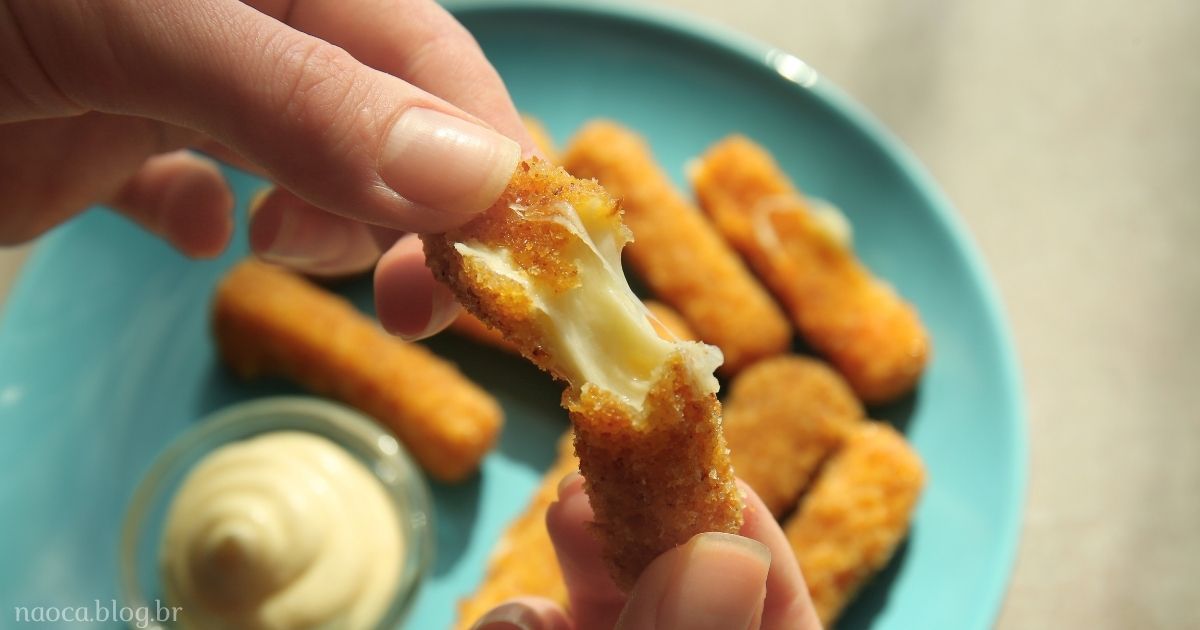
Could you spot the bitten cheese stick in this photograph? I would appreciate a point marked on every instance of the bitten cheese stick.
(270, 322)
(678, 254)
(783, 417)
(664, 319)
(524, 562)
(543, 265)
(868, 332)
(855, 515)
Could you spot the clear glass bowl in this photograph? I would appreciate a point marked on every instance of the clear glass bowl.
(378, 450)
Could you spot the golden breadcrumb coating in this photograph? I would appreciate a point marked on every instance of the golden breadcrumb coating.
(268, 321)
(524, 562)
(657, 469)
(541, 138)
(783, 417)
(851, 521)
(667, 323)
(868, 332)
(678, 254)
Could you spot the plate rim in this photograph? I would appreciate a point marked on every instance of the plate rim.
(708, 32)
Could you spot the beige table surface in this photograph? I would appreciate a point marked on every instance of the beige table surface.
(1068, 135)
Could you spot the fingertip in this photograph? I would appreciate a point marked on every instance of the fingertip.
(524, 613)
(288, 231)
(198, 212)
(409, 301)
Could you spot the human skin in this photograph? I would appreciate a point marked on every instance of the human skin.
(374, 118)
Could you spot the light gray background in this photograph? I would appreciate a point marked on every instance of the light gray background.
(1068, 135)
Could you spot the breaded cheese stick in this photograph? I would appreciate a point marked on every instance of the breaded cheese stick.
(541, 138)
(268, 321)
(524, 562)
(867, 331)
(664, 319)
(783, 417)
(678, 254)
(543, 265)
(855, 515)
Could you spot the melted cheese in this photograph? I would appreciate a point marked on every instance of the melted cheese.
(599, 331)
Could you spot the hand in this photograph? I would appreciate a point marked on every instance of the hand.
(375, 118)
(715, 581)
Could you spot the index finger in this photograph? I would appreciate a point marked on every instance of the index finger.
(416, 40)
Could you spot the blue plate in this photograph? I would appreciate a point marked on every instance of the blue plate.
(105, 354)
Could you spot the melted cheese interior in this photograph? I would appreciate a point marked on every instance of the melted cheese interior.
(599, 331)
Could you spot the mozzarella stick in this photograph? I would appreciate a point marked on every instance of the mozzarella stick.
(543, 266)
(667, 323)
(855, 515)
(524, 562)
(270, 322)
(867, 331)
(783, 417)
(678, 254)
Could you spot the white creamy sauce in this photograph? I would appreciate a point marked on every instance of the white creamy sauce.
(284, 530)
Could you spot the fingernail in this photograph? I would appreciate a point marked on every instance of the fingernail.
(510, 616)
(719, 584)
(447, 163)
(286, 231)
(571, 479)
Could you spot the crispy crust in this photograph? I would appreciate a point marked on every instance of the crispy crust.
(654, 484)
(524, 562)
(677, 253)
(783, 417)
(655, 477)
(855, 515)
(868, 332)
(267, 321)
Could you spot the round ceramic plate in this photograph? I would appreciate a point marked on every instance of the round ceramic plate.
(105, 354)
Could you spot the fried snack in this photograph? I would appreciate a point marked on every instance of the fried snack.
(524, 562)
(682, 259)
(270, 322)
(543, 266)
(855, 515)
(541, 138)
(783, 417)
(868, 332)
(665, 320)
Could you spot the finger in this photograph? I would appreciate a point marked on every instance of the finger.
(787, 604)
(347, 138)
(715, 581)
(184, 199)
(409, 302)
(594, 598)
(55, 168)
(287, 230)
(525, 613)
(419, 41)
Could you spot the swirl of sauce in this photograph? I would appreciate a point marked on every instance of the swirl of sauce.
(281, 531)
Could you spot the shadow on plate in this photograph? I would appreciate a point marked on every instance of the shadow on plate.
(869, 603)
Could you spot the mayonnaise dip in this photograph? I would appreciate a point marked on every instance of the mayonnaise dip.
(280, 531)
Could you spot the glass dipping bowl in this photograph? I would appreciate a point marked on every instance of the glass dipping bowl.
(145, 517)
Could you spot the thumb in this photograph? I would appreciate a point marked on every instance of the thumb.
(341, 135)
